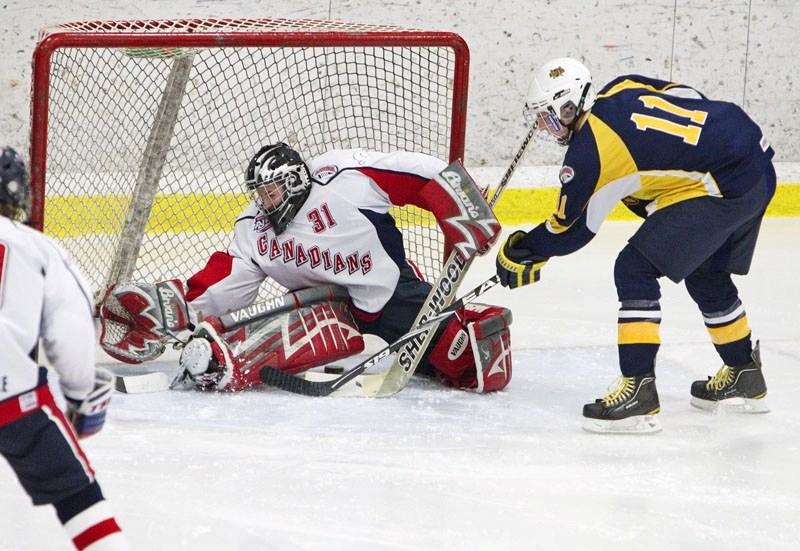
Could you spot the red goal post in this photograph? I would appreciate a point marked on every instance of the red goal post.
(141, 130)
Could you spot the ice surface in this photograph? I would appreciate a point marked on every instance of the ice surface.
(433, 469)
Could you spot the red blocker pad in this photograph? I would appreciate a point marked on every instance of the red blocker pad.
(294, 342)
(466, 219)
(474, 350)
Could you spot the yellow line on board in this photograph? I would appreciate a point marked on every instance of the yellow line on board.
(67, 216)
(530, 206)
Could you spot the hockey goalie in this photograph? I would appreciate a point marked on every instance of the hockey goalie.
(324, 230)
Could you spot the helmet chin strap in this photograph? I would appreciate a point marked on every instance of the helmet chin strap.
(579, 114)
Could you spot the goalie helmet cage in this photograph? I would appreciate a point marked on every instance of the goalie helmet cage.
(141, 130)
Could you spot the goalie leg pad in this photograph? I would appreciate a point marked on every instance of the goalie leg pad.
(135, 317)
(294, 342)
(474, 350)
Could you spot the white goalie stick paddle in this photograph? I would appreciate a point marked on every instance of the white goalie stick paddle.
(145, 382)
(394, 379)
(405, 363)
(298, 385)
(412, 345)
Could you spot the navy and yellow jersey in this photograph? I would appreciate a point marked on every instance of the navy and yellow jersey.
(649, 143)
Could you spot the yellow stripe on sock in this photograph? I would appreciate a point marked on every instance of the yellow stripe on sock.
(638, 332)
(735, 331)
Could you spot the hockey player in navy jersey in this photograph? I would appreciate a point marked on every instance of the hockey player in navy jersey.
(313, 225)
(44, 297)
(700, 173)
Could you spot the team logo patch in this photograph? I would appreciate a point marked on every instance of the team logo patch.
(566, 174)
(261, 224)
(360, 156)
(325, 172)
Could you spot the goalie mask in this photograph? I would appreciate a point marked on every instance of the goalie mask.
(15, 193)
(561, 91)
(280, 182)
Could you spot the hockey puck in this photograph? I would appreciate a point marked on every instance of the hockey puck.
(334, 369)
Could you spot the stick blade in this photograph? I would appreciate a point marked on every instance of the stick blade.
(140, 384)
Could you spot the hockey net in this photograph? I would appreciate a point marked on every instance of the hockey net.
(142, 129)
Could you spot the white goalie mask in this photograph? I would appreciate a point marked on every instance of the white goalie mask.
(560, 92)
(280, 182)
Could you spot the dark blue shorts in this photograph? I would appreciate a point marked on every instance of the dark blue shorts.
(45, 455)
(717, 234)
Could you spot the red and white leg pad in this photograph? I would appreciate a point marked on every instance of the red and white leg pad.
(474, 350)
(294, 342)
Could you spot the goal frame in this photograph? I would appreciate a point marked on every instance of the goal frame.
(134, 38)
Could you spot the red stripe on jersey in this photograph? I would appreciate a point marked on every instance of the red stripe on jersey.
(217, 268)
(401, 187)
(95, 533)
(55, 413)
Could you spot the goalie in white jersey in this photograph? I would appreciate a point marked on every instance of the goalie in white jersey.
(42, 296)
(324, 225)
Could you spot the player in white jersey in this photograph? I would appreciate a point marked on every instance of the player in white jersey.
(43, 296)
(322, 223)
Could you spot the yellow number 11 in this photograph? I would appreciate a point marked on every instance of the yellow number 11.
(688, 132)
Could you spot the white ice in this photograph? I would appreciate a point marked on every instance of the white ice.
(434, 469)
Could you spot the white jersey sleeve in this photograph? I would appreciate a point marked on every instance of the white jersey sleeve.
(43, 296)
(235, 280)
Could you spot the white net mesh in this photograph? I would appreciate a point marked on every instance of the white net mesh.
(149, 128)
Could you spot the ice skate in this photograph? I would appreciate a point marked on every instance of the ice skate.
(739, 389)
(630, 407)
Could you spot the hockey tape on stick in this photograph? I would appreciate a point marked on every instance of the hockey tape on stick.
(297, 385)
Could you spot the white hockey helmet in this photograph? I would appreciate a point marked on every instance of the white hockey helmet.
(280, 182)
(560, 92)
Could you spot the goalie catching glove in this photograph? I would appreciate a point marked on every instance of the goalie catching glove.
(295, 341)
(517, 266)
(88, 416)
(136, 319)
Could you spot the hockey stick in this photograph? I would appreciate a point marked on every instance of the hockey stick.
(394, 379)
(298, 385)
(415, 342)
(159, 381)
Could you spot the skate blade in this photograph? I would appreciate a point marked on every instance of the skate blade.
(732, 405)
(638, 424)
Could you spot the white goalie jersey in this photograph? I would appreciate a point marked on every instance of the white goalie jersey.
(343, 234)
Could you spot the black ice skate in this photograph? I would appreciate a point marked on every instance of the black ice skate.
(741, 388)
(629, 407)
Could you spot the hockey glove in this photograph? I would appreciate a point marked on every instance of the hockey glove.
(88, 415)
(516, 266)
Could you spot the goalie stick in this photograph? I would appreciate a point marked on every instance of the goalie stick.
(159, 381)
(414, 343)
(394, 379)
(298, 385)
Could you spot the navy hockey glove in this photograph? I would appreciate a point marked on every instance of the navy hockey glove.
(516, 266)
(88, 415)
